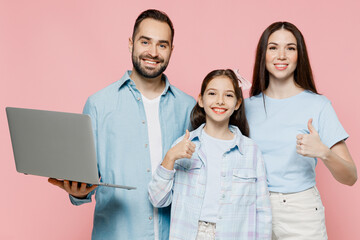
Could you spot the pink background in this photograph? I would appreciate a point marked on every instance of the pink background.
(54, 54)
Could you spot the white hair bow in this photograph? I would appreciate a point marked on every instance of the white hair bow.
(243, 83)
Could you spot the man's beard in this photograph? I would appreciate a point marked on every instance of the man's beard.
(143, 71)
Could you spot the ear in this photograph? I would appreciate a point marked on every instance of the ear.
(131, 44)
(200, 101)
(238, 104)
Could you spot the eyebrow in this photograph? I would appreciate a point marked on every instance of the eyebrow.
(278, 44)
(164, 41)
(147, 38)
(214, 89)
(160, 41)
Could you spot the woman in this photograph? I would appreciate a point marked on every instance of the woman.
(294, 126)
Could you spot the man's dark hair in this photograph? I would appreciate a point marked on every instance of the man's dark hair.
(156, 15)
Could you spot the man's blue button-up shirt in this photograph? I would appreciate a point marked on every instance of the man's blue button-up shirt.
(122, 145)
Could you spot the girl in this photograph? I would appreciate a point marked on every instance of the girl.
(294, 126)
(214, 176)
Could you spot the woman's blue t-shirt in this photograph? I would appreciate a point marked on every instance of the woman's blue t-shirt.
(274, 127)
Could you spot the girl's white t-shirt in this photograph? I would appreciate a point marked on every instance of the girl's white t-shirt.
(214, 151)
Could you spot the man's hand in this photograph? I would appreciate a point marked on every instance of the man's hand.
(78, 190)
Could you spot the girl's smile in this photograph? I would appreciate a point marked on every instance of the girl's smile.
(219, 110)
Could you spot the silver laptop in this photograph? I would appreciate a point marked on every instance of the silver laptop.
(54, 144)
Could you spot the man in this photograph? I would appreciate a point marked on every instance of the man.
(135, 121)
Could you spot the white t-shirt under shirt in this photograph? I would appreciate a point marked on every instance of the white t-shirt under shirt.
(275, 131)
(214, 150)
(155, 143)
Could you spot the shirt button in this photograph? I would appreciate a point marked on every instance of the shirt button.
(138, 99)
(223, 196)
(143, 122)
(223, 174)
(146, 145)
(150, 218)
(148, 170)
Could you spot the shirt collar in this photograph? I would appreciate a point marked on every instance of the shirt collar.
(239, 138)
(127, 80)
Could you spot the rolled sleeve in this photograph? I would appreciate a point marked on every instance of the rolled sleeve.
(160, 187)
(164, 173)
(77, 201)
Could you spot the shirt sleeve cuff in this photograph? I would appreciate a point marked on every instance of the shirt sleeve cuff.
(77, 201)
(165, 173)
(334, 141)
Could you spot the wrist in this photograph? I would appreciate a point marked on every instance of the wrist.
(79, 196)
(325, 154)
(168, 162)
(170, 156)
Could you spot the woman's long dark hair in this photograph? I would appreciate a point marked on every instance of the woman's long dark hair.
(303, 74)
(238, 118)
